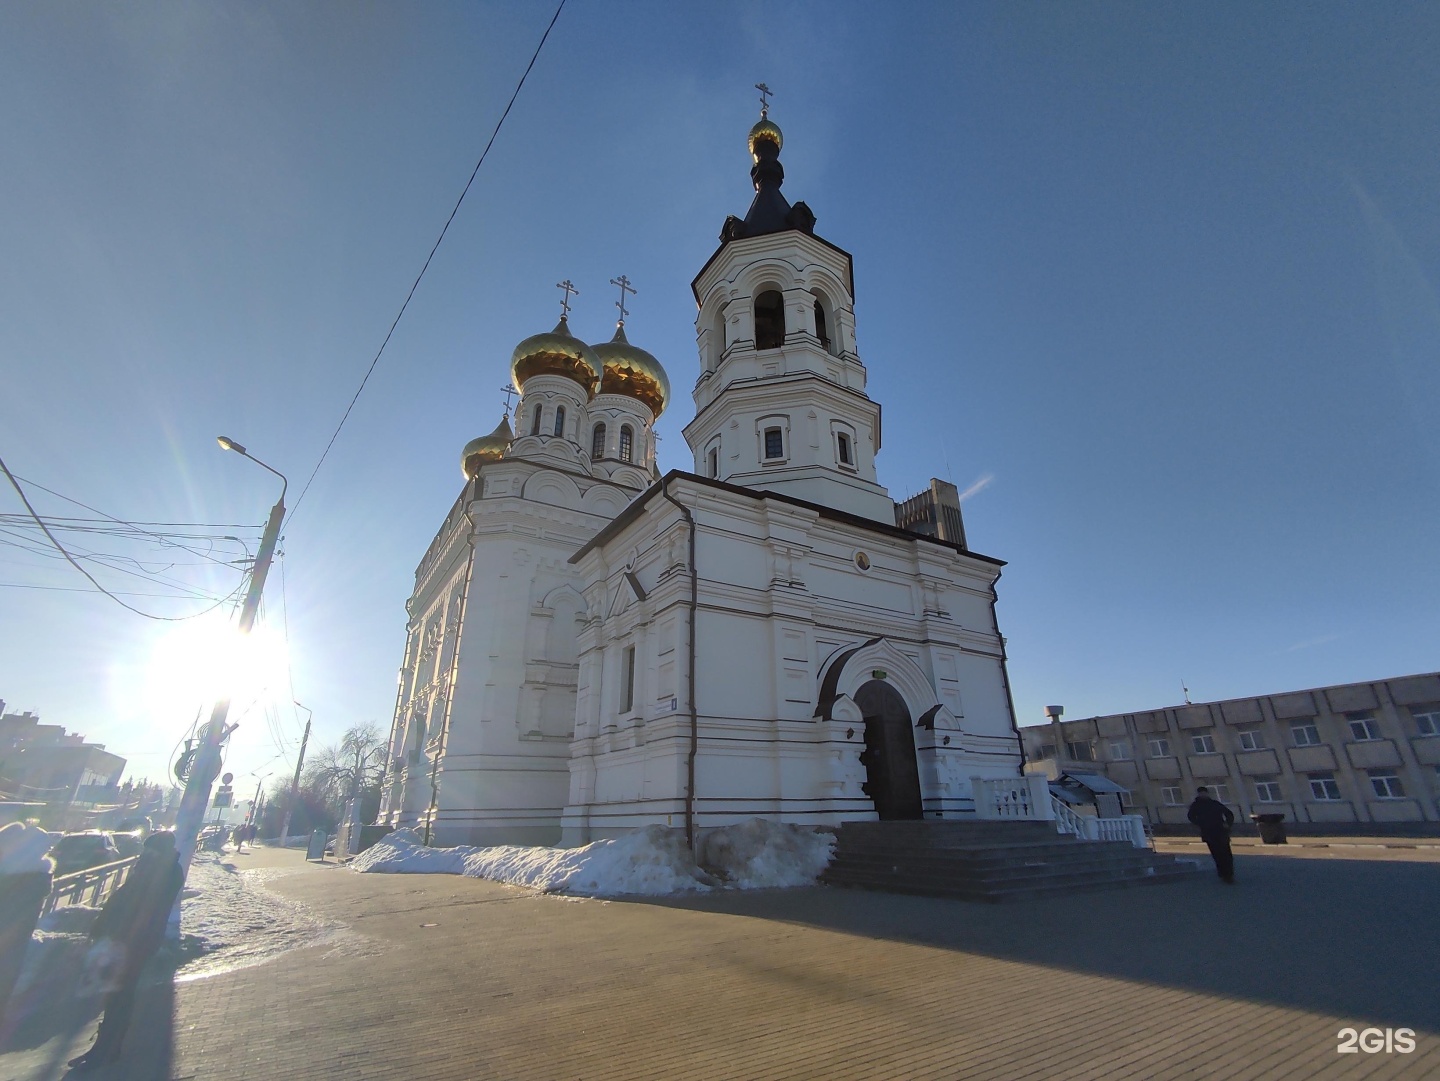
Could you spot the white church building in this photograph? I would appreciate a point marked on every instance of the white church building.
(593, 647)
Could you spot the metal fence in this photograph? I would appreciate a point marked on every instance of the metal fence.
(92, 886)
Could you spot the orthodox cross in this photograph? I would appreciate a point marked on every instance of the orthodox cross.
(570, 289)
(765, 93)
(509, 392)
(625, 287)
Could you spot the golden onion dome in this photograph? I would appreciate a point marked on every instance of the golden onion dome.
(631, 371)
(765, 128)
(487, 448)
(557, 353)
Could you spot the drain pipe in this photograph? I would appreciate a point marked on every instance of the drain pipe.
(1005, 669)
(453, 676)
(690, 675)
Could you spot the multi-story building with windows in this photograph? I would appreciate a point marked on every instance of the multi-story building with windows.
(1356, 753)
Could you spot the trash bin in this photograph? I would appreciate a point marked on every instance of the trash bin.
(1271, 827)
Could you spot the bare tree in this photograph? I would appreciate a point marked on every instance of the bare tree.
(347, 771)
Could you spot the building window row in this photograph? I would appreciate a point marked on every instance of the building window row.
(1267, 789)
(627, 442)
(1323, 785)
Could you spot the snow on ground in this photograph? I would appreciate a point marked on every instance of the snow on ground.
(652, 861)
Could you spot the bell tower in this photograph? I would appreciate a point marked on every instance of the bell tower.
(780, 404)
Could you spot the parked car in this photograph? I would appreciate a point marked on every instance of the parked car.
(81, 851)
(129, 842)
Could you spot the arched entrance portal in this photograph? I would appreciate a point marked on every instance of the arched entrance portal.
(892, 777)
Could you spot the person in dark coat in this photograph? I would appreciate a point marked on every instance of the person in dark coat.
(1215, 820)
(135, 917)
(25, 872)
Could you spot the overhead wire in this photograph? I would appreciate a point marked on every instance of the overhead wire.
(76, 564)
(433, 249)
(137, 526)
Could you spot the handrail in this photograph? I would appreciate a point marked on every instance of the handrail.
(1066, 820)
(100, 881)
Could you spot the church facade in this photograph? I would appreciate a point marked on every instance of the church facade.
(593, 647)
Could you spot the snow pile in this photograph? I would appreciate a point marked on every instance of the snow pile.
(760, 854)
(653, 861)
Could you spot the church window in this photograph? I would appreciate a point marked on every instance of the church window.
(843, 441)
(713, 461)
(821, 330)
(627, 443)
(535, 421)
(774, 443)
(717, 339)
(769, 320)
(627, 679)
(560, 420)
(597, 442)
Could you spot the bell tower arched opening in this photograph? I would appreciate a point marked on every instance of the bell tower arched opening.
(769, 320)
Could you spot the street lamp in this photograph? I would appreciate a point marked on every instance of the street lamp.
(207, 756)
(295, 784)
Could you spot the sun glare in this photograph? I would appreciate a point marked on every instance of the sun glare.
(198, 662)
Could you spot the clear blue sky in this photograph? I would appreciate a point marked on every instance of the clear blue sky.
(1164, 274)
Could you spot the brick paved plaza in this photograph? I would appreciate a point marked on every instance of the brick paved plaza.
(448, 978)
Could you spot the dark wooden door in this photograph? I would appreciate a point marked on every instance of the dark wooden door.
(892, 777)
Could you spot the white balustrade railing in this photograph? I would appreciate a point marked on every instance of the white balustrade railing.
(1066, 820)
(1028, 798)
(1003, 799)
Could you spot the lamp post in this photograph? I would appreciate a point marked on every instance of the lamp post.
(207, 758)
(255, 803)
(295, 784)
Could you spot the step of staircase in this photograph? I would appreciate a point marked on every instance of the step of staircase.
(990, 861)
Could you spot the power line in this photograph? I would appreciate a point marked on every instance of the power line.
(76, 564)
(119, 593)
(119, 521)
(416, 284)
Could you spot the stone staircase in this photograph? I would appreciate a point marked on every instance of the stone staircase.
(990, 861)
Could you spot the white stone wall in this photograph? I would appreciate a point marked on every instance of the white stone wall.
(780, 595)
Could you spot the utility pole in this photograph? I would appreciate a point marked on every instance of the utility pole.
(206, 765)
(295, 784)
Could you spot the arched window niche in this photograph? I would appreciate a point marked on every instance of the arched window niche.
(627, 443)
(559, 420)
(769, 320)
(597, 442)
(535, 421)
(717, 338)
(826, 328)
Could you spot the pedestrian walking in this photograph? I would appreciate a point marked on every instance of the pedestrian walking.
(25, 874)
(131, 926)
(1214, 820)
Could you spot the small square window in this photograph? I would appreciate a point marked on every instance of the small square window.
(1080, 750)
(1220, 792)
(1386, 784)
(1159, 747)
(1267, 789)
(1203, 744)
(1252, 739)
(1305, 735)
(1363, 729)
(1171, 796)
(774, 443)
(1120, 750)
(1427, 719)
(1323, 786)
